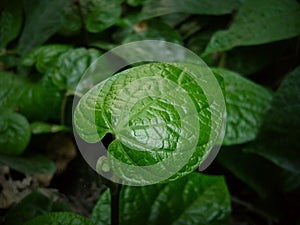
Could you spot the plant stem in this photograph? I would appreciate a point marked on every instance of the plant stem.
(114, 198)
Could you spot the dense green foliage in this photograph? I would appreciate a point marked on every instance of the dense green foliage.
(253, 45)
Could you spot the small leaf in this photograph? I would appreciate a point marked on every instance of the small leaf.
(70, 67)
(100, 14)
(44, 128)
(135, 2)
(195, 199)
(258, 22)
(37, 164)
(15, 132)
(278, 139)
(246, 104)
(34, 204)
(55, 218)
(153, 30)
(154, 8)
(10, 21)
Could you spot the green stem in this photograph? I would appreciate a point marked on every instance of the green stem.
(64, 105)
(114, 198)
(63, 109)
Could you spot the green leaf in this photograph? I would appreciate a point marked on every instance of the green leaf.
(100, 14)
(154, 8)
(258, 22)
(153, 30)
(9, 88)
(135, 2)
(154, 125)
(36, 164)
(36, 203)
(255, 171)
(56, 218)
(278, 139)
(42, 20)
(71, 19)
(44, 128)
(246, 104)
(15, 132)
(10, 21)
(249, 60)
(194, 199)
(44, 57)
(70, 67)
(38, 100)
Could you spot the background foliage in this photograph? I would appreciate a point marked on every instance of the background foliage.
(45, 46)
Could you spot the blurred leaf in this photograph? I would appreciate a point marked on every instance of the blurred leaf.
(37, 164)
(246, 104)
(248, 60)
(70, 67)
(100, 14)
(258, 172)
(40, 101)
(154, 30)
(258, 22)
(278, 139)
(44, 57)
(135, 2)
(8, 61)
(44, 128)
(36, 100)
(42, 20)
(9, 88)
(15, 132)
(71, 18)
(34, 204)
(154, 8)
(10, 21)
(194, 199)
(174, 19)
(56, 218)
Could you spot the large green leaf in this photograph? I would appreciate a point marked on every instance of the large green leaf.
(15, 132)
(42, 20)
(196, 199)
(37, 164)
(259, 22)
(70, 67)
(10, 21)
(38, 100)
(246, 104)
(278, 139)
(34, 204)
(153, 8)
(56, 218)
(153, 111)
